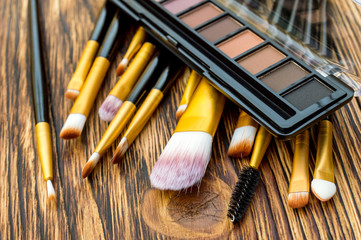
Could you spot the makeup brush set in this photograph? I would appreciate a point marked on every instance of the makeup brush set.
(279, 94)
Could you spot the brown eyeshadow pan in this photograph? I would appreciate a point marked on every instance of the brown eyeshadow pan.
(239, 43)
(283, 76)
(200, 15)
(261, 59)
(219, 28)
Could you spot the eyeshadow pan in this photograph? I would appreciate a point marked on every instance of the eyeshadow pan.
(176, 6)
(219, 28)
(200, 15)
(240, 43)
(283, 76)
(308, 94)
(261, 59)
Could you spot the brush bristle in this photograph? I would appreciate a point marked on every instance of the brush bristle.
(243, 193)
(183, 161)
(109, 108)
(90, 165)
(242, 142)
(298, 199)
(181, 109)
(121, 67)
(72, 94)
(322, 189)
(73, 126)
(120, 150)
(51, 191)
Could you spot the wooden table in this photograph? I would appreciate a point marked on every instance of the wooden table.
(117, 202)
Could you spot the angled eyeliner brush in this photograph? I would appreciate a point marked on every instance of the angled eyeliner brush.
(75, 122)
(40, 99)
(145, 82)
(150, 104)
(96, 39)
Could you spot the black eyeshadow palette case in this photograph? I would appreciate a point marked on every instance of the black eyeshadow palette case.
(277, 89)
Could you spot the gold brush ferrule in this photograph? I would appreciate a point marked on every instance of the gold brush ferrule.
(136, 43)
(204, 111)
(143, 114)
(262, 141)
(130, 76)
(115, 127)
(43, 138)
(300, 181)
(84, 65)
(246, 120)
(324, 160)
(84, 102)
(191, 86)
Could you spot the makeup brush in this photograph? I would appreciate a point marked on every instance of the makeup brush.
(248, 178)
(149, 105)
(40, 99)
(133, 48)
(120, 91)
(100, 29)
(323, 183)
(299, 188)
(243, 137)
(74, 124)
(191, 86)
(184, 160)
(148, 79)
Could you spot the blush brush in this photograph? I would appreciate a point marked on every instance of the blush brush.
(248, 178)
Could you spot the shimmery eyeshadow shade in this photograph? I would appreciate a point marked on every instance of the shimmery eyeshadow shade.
(200, 15)
(261, 59)
(308, 94)
(176, 6)
(240, 43)
(219, 28)
(283, 76)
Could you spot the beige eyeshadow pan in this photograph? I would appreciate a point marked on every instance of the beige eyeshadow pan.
(283, 76)
(200, 15)
(240, 43)
(261, 59)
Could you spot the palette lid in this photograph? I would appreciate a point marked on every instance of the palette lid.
(323, 33)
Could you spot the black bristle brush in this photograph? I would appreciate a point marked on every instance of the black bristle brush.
(248, 178)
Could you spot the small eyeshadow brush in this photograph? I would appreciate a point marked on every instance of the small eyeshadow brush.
(299, 187)
(145, 82)
(133, 48)
(100, 29)
(248, 178)
(323, 183)
(184, 160)
(40, 99)
(121, 90)
(243, 137)
(191, 86)
(75, 122)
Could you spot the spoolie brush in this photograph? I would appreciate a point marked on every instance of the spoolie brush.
(184, 160)
(120, 91)
(191, 86)
(248, 178)
(299, 188)
(40, 99)
(243, 137)
(323, 183)
(133, 48)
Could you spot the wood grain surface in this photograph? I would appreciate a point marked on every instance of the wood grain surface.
(117, 201)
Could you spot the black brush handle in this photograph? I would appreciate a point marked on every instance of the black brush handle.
(102, 24)
(38, 77)
(169, 74)
(111, 43)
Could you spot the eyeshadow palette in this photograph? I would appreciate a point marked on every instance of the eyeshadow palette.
(277, 89)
